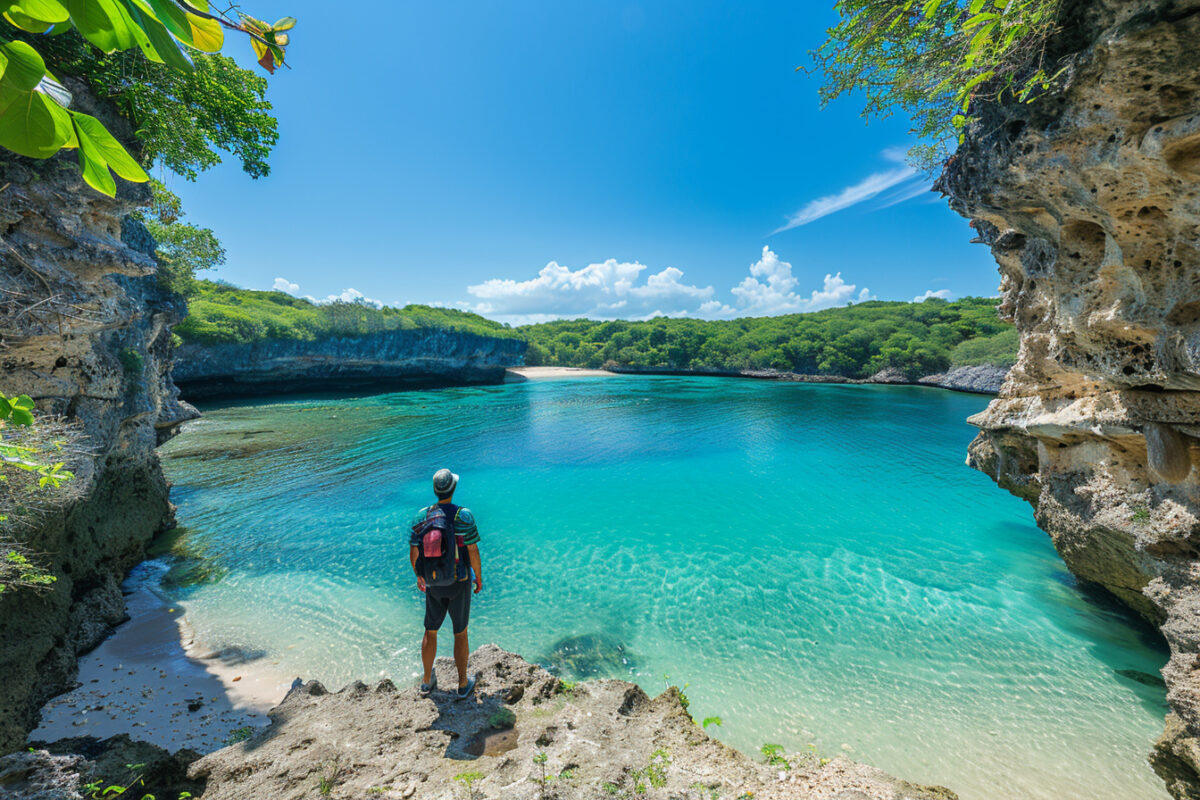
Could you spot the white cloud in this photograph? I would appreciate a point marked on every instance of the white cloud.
(944, 294)
(284, 285)
(771, 289)
(857, 193)
(352, 296)
(606, 290)
(616, 290)
(908, 192)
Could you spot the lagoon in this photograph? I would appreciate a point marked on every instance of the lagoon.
(815, 563)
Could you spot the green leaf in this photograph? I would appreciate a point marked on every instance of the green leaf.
(22, 417)
(284, 24)
(160, 38)
(25, 68)
(27, 23)
(32, 124)
(43, 10)
(108, 148)
(174, 18)
(5, 407)
(24, 402)
(103, 23)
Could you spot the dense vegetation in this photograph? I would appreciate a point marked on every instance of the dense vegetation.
(852, 341)
(153, 60)
(221, 313)
(937, 60)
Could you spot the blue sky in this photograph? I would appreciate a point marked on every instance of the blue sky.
(531, 160)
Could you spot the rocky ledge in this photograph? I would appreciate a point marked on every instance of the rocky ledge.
(1088, 199)
(983, 379)
(391, 359)
(600, 739)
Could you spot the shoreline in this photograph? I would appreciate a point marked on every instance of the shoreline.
(151, 680)
(985, 379)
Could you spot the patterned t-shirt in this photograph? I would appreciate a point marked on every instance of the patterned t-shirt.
(465, 533)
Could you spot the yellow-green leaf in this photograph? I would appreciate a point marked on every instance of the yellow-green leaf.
(103, 23)
(108, 148)
(25, 67)
(44, 10)
(92, 163)
(32, 124)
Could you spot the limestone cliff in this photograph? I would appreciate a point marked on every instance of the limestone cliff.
(85, 332)
(395, 359)
(1090, 201)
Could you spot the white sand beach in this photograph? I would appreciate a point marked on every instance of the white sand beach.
(518, 374)
(151, 671)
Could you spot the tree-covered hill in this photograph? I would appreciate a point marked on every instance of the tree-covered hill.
(853, 341)
(220, 313)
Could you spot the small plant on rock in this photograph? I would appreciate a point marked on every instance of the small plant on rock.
(239, 735)
(468, 779)
(540, 759)
(711, 721)
(1141, 515)
(502, 719)
(773, 755)
(331, 773)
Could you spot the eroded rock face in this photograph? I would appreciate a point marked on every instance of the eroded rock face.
(392, 359)
(391, 743)
(86, 334)
(1090, 201)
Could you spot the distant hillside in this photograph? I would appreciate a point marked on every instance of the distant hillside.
(219, 313)
(852, 341)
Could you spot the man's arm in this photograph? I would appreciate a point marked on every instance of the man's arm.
(413, 552)
(473, 554)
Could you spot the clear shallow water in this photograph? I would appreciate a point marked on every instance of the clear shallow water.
(815, 561)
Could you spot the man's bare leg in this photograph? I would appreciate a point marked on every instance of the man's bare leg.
(429, 653)
(461, 651)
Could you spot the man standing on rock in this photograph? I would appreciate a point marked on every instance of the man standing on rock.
(445, 534)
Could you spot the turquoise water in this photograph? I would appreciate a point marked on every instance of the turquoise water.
(815, 562)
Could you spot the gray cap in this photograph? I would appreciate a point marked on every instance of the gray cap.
(444, 481)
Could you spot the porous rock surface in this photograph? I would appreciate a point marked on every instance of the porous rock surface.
(396, 359)
(386, 742)
(1090, 201)
(85, 332)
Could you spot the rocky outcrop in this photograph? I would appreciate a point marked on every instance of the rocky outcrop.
(1089, 200)
(85, 332)
(979, 379)
(392, 359)
(983, 379)
(391, 743)
(599, 739)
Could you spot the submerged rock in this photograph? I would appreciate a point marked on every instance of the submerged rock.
(591, 655)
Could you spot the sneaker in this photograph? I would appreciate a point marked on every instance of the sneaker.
(428, 688)
(465, 692)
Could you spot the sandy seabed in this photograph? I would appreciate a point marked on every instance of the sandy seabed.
(150, 679)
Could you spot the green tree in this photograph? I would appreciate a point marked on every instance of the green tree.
(933, 58)
(183, 248)
(36, 119)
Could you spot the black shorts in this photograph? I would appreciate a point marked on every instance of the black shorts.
(455, 599)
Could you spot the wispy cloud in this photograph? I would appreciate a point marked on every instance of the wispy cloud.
(284, 285)
(865, 189)
(346, 296)
(908, 192)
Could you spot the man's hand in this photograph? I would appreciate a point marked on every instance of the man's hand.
(421, 583)
(478, 584)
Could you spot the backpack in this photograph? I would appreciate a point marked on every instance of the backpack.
(437, 557)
